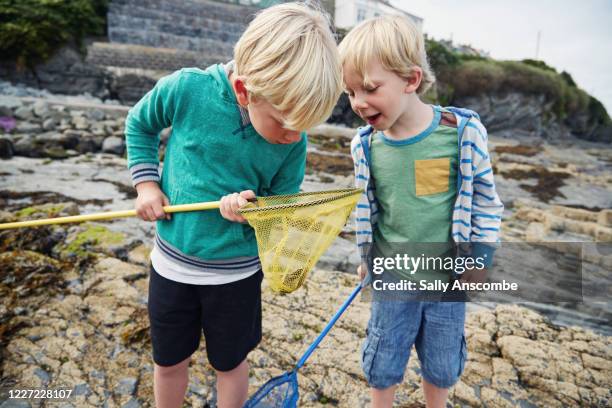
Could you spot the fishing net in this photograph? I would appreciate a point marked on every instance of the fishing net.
(279, 392)
(282, 391)
(294, 230)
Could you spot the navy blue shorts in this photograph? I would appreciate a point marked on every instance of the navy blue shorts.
(229, 315)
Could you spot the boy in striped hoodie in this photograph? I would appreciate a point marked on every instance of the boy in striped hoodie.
(427, 178)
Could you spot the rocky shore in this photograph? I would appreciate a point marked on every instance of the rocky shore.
(35, 127)
(73, 314)
(73, 298)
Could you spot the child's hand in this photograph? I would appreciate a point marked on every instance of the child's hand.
(362, 271)
(474, 276)
(150, 201)
(232, 202)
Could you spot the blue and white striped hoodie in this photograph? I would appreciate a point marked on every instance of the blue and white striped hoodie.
(478, 210)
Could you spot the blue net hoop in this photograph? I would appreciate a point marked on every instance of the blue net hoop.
(282, 391)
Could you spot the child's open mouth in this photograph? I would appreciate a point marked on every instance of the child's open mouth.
(372, 119)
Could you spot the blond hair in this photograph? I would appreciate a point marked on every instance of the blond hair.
(289, 57)
(394, 41)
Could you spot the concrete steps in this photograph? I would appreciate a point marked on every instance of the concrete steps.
(149, 58)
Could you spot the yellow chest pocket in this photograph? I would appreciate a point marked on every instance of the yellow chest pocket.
(431, 176)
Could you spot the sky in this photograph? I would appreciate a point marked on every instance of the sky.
(575, 36)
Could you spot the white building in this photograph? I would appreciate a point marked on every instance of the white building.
(349, 13)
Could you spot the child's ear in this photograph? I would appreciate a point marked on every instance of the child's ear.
(413, 81)
(242, 94)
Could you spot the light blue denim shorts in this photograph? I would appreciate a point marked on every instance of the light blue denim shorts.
(435, 328)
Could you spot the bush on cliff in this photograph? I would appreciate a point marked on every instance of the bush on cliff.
(32, 30)
(477, 76)
(460, 75)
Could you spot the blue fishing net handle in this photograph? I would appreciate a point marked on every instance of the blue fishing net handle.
(331, 323)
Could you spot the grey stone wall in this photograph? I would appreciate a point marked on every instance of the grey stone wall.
(65, 73)
(203, 26)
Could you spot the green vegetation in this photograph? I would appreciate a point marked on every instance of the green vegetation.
(32, 30)
(440, 57)
(539, 64)
(462, 76)
(48, 210)
(93, 235)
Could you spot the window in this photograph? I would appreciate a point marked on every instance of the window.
(361, 14)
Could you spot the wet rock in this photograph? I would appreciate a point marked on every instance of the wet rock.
(9, 102)
(132, 403)
(49, 124)
(343, 114)
(64, 124)
(113, 144)
(5, 111)
(333, 135)
(126, 386)
(41, 109)
(69, 140)
(140, 255)
(55, 152)
(24, 113)
(98, 129)
(137, 330)
(332, 164)
(341, 256)
(536, 232)
(26, 146)
(13, 403)
(605, 218)
(28, 127)
(466, 394)
(76, 113)
(96, 115)
(6, 148)
(87, 145)
(82, 389)
(80, 122)
(56, 139)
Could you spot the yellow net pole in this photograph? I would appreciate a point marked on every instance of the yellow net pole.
(108, 215)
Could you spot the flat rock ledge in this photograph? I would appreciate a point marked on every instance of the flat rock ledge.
(88, 330)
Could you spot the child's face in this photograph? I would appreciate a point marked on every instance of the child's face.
(380, 102)
(268, 122)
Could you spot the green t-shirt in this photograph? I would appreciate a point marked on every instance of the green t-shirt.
(416, 187)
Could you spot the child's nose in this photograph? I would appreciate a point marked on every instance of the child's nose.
(359, 102)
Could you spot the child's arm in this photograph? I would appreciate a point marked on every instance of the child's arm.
(152, 114)
(358, 166)
(487, 207)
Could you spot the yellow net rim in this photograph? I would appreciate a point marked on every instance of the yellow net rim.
(334, 195)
